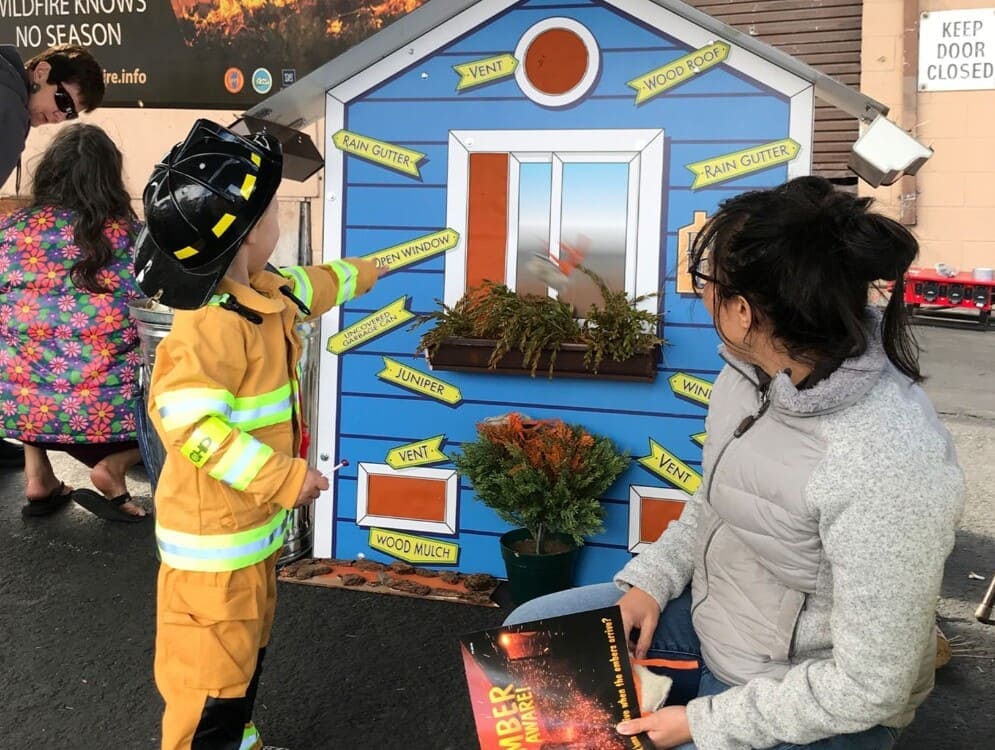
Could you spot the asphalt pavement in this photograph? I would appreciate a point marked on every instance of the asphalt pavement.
(357, 671)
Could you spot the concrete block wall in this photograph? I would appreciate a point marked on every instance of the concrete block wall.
(955, 190)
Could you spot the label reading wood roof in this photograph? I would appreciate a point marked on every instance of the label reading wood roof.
(678, 71)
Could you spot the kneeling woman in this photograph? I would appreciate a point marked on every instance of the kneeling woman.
(801, 579)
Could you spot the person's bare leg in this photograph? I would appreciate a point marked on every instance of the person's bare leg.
(108, 477)
(39, 477)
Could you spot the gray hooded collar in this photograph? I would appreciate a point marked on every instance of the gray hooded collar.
(842, 388)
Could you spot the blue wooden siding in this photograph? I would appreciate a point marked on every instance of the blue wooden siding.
(719, 112)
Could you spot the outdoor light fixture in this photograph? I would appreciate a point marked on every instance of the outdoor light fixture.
(301, 157)
(884, 152)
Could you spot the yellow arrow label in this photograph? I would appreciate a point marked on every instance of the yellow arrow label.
(483, 71)
(383, 320)
(690, 387)
(665, 464)
(423, 452)
(739, 163)
(417, 381)
(699, 437)
(398, 158)
(414, 549)
(678, 71)
(415, 250)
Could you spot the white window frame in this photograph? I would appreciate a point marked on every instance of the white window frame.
(366, 519)
(638, 493)
(643, 149)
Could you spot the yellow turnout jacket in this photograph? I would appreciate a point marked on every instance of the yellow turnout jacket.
(224, 399)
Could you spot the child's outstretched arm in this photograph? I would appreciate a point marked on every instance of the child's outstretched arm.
(327, 285)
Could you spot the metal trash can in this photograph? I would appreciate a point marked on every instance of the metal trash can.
(300, 530)
(153, 323)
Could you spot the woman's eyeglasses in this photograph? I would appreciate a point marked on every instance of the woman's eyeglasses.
(701, 273)
(65, 102)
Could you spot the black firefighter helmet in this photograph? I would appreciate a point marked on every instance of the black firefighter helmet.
(200, 203)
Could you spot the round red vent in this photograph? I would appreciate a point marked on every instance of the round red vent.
(556, 61)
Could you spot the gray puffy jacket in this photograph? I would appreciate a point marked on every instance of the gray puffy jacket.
(815, 547)
(14, 119)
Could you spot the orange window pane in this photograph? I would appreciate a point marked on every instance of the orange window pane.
(415, 498)
(487, 219)
(655, 515)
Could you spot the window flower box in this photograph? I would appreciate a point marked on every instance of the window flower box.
(474, 355)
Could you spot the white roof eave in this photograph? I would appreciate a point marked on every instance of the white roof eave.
(304, 102)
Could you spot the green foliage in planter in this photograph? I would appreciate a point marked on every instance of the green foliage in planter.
(545, 476)
(535, 324)
(617, 329)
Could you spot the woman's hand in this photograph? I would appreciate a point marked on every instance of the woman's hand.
(639, 611)
(667, 727)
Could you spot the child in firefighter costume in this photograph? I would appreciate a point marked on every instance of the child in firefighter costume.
(224, 399)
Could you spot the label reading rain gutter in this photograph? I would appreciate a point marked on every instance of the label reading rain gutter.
(398, 158)
(741, 163)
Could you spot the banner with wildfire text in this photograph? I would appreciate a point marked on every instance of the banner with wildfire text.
(224, 54)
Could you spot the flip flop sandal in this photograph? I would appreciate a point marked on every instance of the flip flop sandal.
(109, 510)
(47, 505)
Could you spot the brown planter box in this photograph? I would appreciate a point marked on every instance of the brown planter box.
(472, 355)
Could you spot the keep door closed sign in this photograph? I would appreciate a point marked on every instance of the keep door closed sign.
(957, 50)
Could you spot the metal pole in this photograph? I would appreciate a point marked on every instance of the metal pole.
(304, 235)
(300, 533)
(984, 611)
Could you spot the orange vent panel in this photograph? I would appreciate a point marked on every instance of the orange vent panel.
(416, 498)
(655, 515)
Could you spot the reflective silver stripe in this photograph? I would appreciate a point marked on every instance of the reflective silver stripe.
(347, 275)
(302, 283)
(184, 407)
(221, 552)
(250, 737)
(241, 461)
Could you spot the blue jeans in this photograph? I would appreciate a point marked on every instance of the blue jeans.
(675, 639)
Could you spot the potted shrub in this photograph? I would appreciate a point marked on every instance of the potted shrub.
(545, 477)
(494, 328)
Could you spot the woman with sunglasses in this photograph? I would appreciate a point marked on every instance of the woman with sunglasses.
(798, 587)
(53, 86)
(69, 355)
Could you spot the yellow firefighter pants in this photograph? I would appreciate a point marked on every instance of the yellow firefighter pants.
(210, 630)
